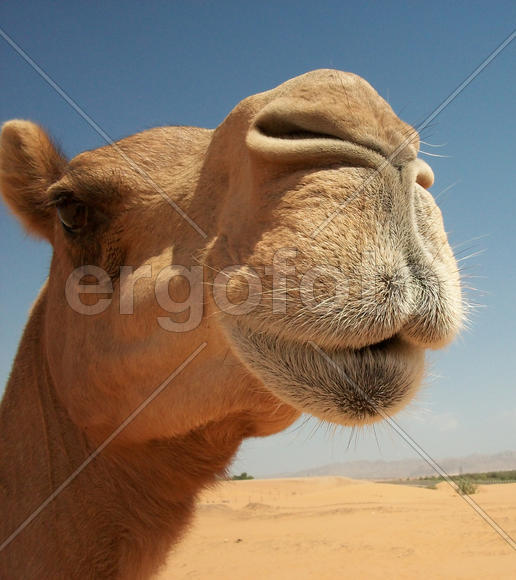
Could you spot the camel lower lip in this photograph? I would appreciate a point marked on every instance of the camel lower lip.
(345, 386)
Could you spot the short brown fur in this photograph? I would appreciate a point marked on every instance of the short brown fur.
(280, 164)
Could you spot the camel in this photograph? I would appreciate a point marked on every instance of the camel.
(198, 252)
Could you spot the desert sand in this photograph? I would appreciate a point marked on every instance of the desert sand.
(334, 527)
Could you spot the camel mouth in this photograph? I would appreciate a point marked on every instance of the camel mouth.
(346, 386)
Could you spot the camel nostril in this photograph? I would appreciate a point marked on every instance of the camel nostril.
(425, 175)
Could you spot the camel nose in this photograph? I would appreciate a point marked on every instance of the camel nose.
(424, 175)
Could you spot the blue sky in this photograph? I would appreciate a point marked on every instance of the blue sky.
(133, 65)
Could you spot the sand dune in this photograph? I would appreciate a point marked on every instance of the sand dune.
(334, 527)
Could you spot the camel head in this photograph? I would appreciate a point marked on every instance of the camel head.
(298, 240)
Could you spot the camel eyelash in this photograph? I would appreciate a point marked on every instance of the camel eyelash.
(62, 197)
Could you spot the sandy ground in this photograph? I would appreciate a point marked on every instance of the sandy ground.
(333, 527)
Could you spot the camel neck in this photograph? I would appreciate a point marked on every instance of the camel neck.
(124, 510)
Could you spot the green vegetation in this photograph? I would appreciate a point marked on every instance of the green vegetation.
(499, 476)
(243, 475)
(466, 486)
(465, 481)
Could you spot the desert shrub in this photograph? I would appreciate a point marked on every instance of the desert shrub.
(243, 475)
(466, 486)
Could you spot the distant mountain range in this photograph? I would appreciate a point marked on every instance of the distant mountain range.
(412, 467)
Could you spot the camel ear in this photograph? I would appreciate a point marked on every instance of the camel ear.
(29, 164)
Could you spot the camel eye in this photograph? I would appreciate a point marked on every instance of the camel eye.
(73, 215)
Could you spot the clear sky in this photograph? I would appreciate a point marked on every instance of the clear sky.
(134, 65)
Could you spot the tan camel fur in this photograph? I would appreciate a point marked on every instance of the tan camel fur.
(332, 320)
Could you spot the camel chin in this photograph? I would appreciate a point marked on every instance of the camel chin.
(346, 386)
